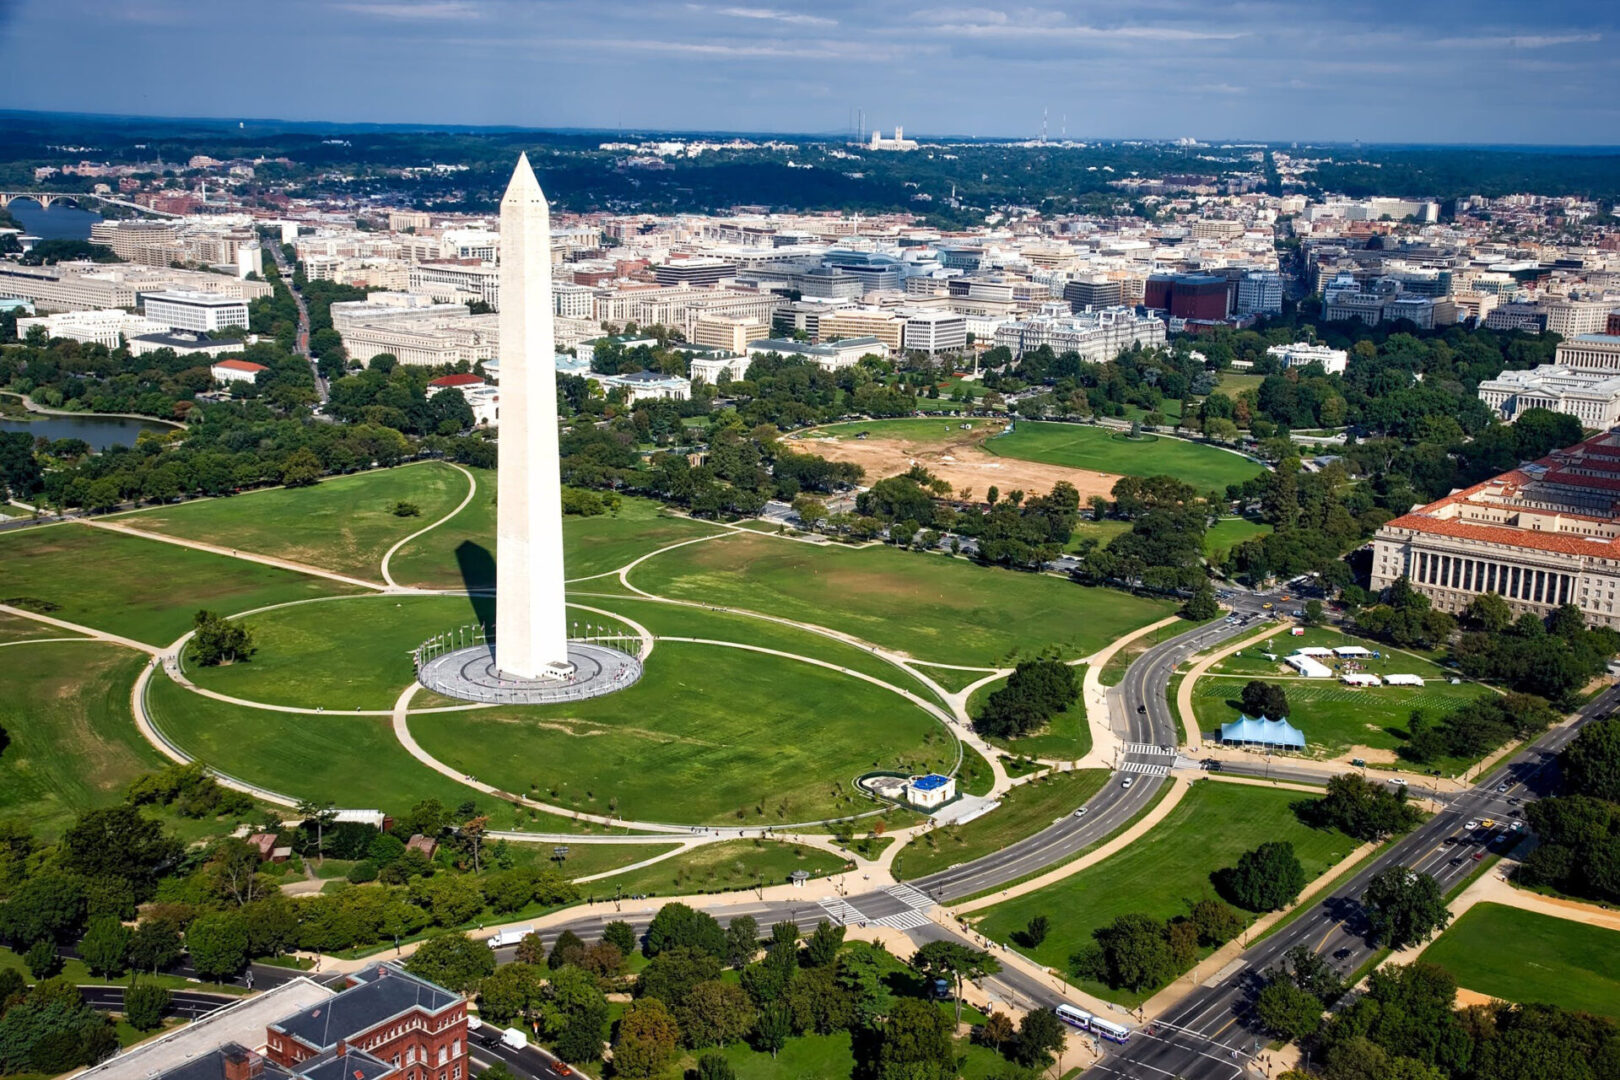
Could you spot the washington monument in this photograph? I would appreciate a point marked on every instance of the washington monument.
(531, 624)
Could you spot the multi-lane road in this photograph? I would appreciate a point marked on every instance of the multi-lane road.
(1213, 1034)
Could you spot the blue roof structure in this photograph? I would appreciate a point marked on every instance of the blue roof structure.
(1263, 732)
(930, 782)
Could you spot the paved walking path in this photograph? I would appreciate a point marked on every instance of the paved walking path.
(472, 489)
(1106, 744)
(1115, 844)
(1184, 705)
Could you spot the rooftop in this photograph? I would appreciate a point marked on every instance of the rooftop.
(388, 992)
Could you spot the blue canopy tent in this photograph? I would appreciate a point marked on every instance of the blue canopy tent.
(1247, 730)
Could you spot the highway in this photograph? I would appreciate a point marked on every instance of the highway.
(1212, 1034)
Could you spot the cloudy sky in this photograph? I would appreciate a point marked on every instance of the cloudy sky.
(1377, 70)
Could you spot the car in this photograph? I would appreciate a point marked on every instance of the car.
(1478, 855)
(1488, 823)
(1340, 954)
(1457, 861)
(1141, 708)
(1285, 597)
(1127, 782)
(1517, 826)
(1081, 812)
(1398, 782)
(1449, 840)
(1501, 787)
(1471, 825)
(562, 1068)
(1266, 606)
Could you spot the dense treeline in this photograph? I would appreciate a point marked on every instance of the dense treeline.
(1579, 828)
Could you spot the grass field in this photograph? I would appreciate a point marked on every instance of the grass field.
(352, 761)
(1232, 384)
(1164, 871)
(1525, 956)
(461, 552)
(1336, 717)
(74, 747)
(1024, 811)
(1228, 533)
(911, 429)
(20, 628)
(344, 524)
(944, 610)
(1101, 531)
(769, 739)
(729, 864)
(1104, 450)
(1066, 737)
(141, 589)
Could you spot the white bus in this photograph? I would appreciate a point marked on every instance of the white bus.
(1115, 1033)
(1074, 1017)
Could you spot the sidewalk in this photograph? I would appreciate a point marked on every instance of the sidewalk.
(1184, 705)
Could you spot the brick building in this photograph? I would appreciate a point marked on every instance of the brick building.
(411, 1029)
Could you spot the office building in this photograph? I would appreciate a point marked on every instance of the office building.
(1591, 397)
(109, 328)
(1188, 296)
(885, 326)
(1590, 352)
(458, 283)
(696, 271)
(1090, 294)
(1259, 293)
(936, 332)
(1097, 337)
(196, 312)
(732, 335)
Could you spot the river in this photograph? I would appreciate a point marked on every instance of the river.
(63, 221)
(100, 432)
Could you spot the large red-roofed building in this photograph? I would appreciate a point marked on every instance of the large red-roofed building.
(1542, 535)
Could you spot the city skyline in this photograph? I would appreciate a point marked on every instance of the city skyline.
(1441, 73)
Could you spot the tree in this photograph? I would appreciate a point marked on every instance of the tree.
(105, 945)
(915, 1043)
(572, 1013)
(301, 468)
(567, 949)
(509, 993)
(453, 960)
(49, 906)
(1314, 614)
(1035, 691)
(1031, 936)
(1202, 605)
(677, 924)
(217, 640)
(1404, 907)
(52, 1030)
(997, 1031)
(772, 1028)
(1591, 763)
(119, 842)
(674, 973)
(1487, 612)
(714, 1066)
(951, 961)
(1269, 878)
(1287, 1010)
(42, 959)
(1361, 808)
(742, 941)
(1040, 1036)
(647, 1040)
(1216, 922)
(144, 1006)
(821, 947)
(620, 933)
(1263, 699)
(1134, 952)
(218, 943)
(715, 1013)
(154, 945)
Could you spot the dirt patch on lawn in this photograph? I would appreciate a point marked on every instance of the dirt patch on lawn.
(961, 461)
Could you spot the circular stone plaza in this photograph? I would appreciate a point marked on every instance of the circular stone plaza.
(470, 674)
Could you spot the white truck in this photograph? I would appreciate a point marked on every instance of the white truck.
(511, 936)
(516, 1038)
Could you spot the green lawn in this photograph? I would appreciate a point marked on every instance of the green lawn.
(729, 864)
(1525, 956)
(1228, 533)
(140, 589)
(461, 552)
(21, 628)
(584, 860)
(344, 524)
(352, 761)
(1335, 717)
(347, 654)
(1101, 531)
(1024, 811)
(930, 607)
(1083, 446)
(74, 747)
(1066, 737)
(1232, 383)
(709, 734)
(910, 429)
(1164, 871)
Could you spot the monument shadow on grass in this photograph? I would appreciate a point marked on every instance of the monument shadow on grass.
(478, 572)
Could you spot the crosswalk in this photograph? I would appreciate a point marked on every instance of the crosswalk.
(1150, 748)
(1145, 768)
(910, 896)
(842, 913)
(905, 920)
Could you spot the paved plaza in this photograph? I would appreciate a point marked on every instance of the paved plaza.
(470, 674)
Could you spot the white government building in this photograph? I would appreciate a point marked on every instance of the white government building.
(1583, 381)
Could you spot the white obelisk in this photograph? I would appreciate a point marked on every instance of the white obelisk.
(531, 623)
